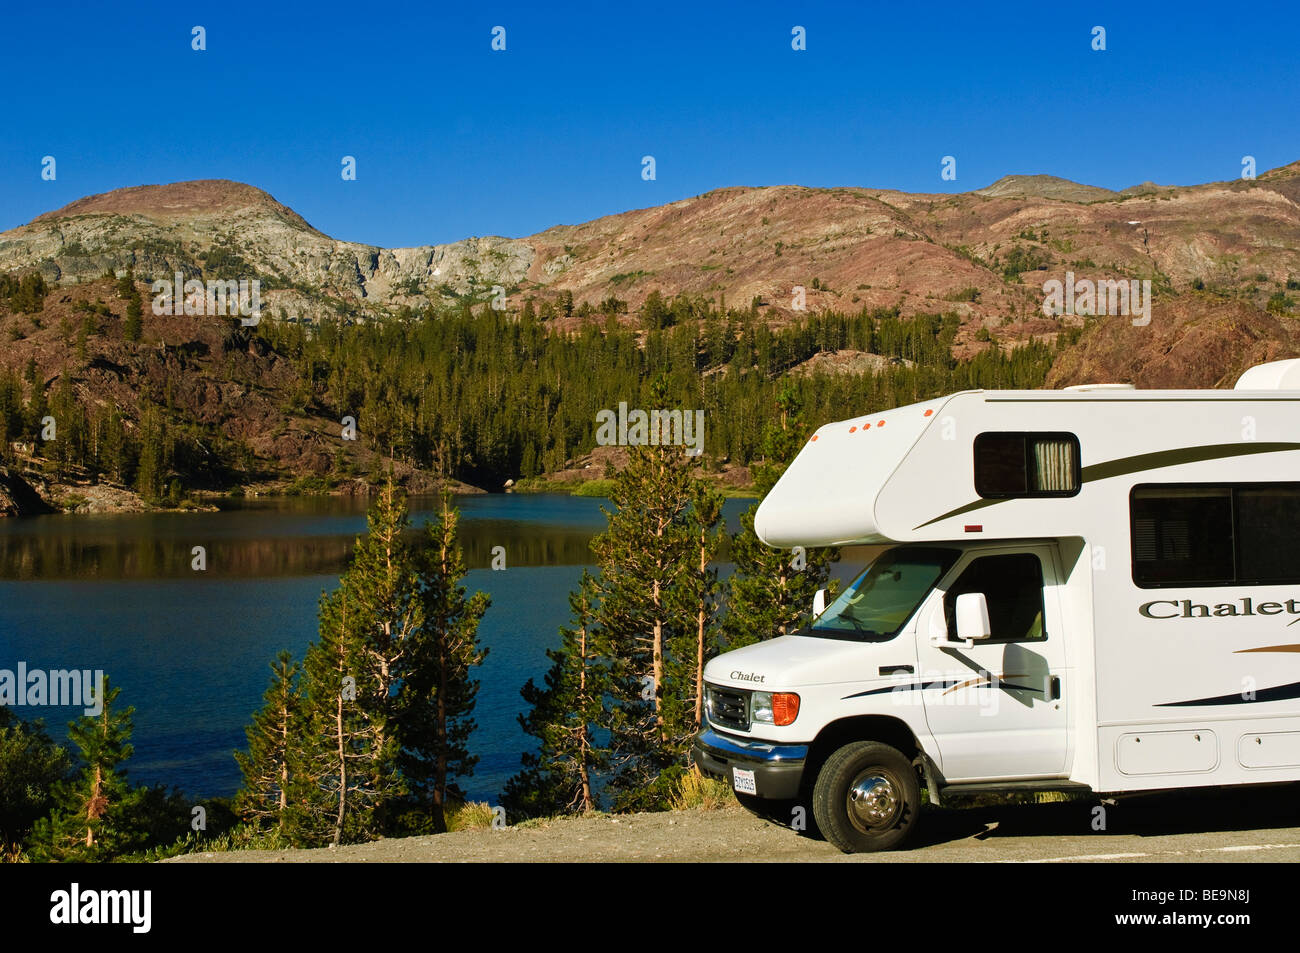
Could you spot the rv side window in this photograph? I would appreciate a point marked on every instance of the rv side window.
(1013, 587)
(1215, 535)
(1267, 520)
(1026, 465)
(1182, 536)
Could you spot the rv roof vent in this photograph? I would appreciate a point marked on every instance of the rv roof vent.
(1276, 375)
(1101, 387)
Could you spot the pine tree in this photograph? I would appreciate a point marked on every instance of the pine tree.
(113, 447)
(82, 826)
(385, 707)
(155, 454)
(772, 590)
(566, 717)
(439, 693)
(32, 767)
(126, 283)
(700, 595)
(11, 408)
(382, 588)
(643, 557)
(340, 771)
(265, 766)
(133, 326)
(83, 337)
(38, 405)
(70, 434)
(368, 654)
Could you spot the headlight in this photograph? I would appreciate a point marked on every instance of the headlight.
(774, 708)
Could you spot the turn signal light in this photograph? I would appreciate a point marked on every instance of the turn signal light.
(785, 708)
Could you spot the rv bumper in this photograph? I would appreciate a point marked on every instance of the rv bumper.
(778, 769)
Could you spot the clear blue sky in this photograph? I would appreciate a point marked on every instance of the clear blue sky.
(453, 139)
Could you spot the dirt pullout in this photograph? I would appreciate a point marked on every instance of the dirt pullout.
(1177, 827)
(727, 834)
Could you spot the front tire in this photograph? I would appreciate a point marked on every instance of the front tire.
(866, 798)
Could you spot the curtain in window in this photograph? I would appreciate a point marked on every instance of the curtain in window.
(1055, 465)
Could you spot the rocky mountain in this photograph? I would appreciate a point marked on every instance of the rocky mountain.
(215, 228)
(1045, 187)
(1199, 342)
(1227, 248)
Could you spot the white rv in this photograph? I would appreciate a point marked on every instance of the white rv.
(1095, 589)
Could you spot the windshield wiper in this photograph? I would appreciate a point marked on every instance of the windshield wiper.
(857, 627)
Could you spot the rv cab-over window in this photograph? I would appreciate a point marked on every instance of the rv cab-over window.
(1026, 464)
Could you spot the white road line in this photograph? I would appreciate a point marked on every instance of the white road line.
(1249, 847)
(1237, 848)
(1063, 860)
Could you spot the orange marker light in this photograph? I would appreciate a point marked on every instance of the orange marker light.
(785, 707)
(929, 412)
(814, 436)
(853, 429)
(880, 424)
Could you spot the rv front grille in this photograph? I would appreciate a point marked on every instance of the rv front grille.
(729, 708)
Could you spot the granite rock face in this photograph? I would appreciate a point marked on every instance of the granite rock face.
(225, 229)
(18, 498)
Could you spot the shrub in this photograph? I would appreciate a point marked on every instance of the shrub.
(595, 488)
(694, 791)
(471, 816)
(1279, 303)
(1021, 259)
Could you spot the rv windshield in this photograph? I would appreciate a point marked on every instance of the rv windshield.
(877, 604)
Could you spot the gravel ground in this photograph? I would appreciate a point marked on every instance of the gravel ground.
(1259, 826)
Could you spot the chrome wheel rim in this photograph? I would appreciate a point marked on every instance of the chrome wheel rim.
(873, 803)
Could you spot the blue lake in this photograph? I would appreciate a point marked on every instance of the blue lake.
(191, 650)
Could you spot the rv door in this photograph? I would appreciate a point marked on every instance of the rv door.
(997, 706)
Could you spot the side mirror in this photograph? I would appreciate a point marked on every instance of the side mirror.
(972, 618)
(819, 603)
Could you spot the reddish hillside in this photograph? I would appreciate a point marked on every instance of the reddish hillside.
(1224, 254)
(179, 200)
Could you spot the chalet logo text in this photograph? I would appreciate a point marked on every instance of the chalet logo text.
(1109, 297)
(638, 428)
(1188, 609)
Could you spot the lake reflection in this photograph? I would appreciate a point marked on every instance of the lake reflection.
(286, 537)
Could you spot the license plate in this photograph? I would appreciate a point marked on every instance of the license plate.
(743, 781)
